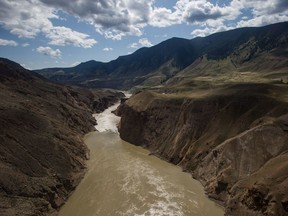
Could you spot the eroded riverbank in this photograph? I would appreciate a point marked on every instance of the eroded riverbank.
(233, 141)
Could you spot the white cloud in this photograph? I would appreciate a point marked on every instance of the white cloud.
(4, 42)
(198, 11)
(25, 45)
(262, 20)
(142, 42)
(260, 7)
(202, 32)
(202, 11)
(193, 12)
(113, 19)
(25, 18)
(163, 17)
(62, 36)
(210, 27)
(133, 45)
(28, 18)
(107, 49)
(117, 19)
(49, 51)
(145, 42)
(264, 12)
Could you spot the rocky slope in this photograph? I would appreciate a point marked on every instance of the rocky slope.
(42, 155)
(234, 140)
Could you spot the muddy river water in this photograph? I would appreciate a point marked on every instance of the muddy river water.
(123, 179)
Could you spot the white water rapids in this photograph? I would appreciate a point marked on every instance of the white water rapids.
(107, 121)
(122, 179)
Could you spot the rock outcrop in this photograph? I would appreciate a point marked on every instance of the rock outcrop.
(42, 155)
(234, 141)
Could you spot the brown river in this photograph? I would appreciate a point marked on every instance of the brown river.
(123, 179)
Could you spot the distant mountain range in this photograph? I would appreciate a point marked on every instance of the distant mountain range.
(244, 49)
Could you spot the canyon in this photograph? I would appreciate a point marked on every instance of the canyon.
(234, 141)
(216, 106)
(124, 179)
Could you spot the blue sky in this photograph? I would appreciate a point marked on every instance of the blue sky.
(60, 33)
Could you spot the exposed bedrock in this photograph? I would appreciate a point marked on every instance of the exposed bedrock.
(234, 143)
(42, 154)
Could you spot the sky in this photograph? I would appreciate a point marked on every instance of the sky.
(63, 33)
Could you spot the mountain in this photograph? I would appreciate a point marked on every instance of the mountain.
(243, 49)
(42, 155)
(126, 71)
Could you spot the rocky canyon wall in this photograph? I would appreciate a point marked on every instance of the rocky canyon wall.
(42, 154)
(235, 142)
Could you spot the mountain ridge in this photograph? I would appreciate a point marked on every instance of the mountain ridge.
(174, 54)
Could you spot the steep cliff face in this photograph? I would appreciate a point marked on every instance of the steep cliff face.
(250, 170)
(42, 155)
(229, 140)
